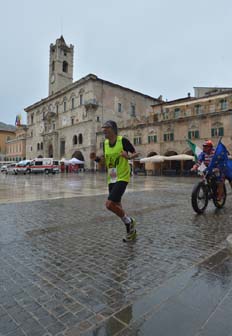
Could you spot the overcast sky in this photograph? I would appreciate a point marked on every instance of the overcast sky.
(157, 47)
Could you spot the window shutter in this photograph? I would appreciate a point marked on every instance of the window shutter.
(221, 131)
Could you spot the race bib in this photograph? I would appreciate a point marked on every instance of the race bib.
(113, 175)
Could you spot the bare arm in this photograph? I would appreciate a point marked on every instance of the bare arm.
(129, 156)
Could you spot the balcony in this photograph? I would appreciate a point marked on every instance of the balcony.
(49, 115)
(91, 104)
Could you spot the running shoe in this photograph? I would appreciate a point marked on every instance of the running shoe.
(132, 234)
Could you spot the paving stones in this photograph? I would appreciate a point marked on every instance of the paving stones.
(65, 270)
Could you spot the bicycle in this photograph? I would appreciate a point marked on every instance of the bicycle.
(206, 190)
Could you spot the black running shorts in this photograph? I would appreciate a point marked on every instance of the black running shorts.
(116, 190)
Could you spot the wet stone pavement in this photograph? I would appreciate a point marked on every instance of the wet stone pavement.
(64, 270)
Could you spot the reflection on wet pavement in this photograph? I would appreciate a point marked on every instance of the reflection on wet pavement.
(65, 270)
(19, 188)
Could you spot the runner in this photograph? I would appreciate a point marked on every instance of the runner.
(116, 149)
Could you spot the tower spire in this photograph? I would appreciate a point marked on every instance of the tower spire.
(60, 65)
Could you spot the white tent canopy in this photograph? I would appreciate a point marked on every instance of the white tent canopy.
(65, 161)
(179, 157)
(162, 158)
(154, 158)
(75, 161)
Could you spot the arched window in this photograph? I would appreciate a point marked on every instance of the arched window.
(81, 99)
(38, 146)
(73, 103)
(41, 146)
(65, 66)
(53, 65)
(80, 139)
(74, 140)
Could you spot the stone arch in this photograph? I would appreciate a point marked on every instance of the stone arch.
(78, 155)
(170, 153)
(151, 154)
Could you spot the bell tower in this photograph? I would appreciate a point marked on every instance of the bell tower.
(60, 65)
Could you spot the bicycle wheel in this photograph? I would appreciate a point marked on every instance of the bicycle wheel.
(220, 204)
(199, 197)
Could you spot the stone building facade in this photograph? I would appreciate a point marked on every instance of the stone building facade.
(195, 118)
(207, 115)
(68, 121)
(5, 135)
(16, 146)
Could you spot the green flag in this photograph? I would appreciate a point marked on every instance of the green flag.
(195, 149)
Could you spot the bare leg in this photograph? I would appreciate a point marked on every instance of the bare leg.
(115, 208)
(220, 190)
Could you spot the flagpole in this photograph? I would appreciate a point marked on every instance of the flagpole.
(219, 141)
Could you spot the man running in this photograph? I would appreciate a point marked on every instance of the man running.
(116, 149)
